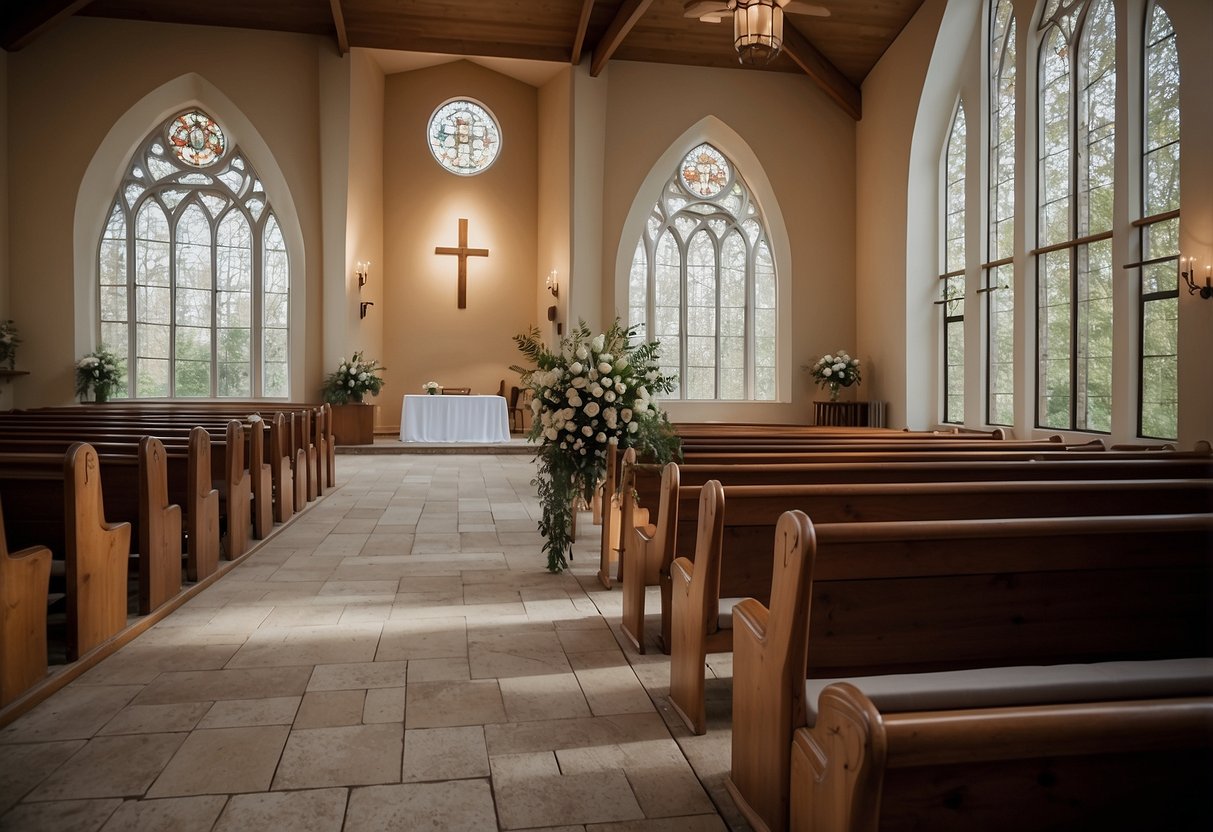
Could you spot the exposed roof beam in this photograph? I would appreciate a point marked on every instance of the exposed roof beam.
(629, 13)
(836, 85)
(582, 25)
(343, 39)
(35, 19)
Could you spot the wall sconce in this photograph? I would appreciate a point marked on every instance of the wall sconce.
(1189, 276)
(362, 270)
(362, 308)
(552, 284)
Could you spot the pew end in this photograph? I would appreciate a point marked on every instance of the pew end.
(24, 586)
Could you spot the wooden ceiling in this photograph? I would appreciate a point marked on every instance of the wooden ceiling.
(837, 51)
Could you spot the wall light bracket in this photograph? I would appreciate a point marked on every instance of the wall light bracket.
(1189, 275)
(362, 308)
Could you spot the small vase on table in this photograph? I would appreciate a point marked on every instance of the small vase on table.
(833, 385)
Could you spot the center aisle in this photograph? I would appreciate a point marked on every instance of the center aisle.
(396, 654)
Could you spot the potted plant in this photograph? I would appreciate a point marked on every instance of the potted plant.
(99, 373)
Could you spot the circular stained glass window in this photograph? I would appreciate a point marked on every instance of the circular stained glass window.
(464, 137)
(705, 172)
(196, 139)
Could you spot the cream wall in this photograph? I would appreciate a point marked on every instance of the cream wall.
(804, 148)
(66, 91)
(555, 229)
(426, 337)
(6, 388)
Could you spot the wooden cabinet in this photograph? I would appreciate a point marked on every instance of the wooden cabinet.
(849, 414)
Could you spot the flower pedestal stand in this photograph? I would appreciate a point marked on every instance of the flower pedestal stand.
(354, 424)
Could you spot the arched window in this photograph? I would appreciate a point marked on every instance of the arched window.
(1159, 228)
(702, 283)
(952, 279)
(1000, 213)
(192, 270)
(1077, 130)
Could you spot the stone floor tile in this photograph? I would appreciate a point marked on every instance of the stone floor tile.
(373, 612)
(330, 709)
(213, 685)
(303, 616)
(361, 675)
(609, 683)
(661, 778)
(696, 823)
(347, 756)
(342, 544)
(500, 654)
(590, 640)
(439, 670)
(24, 766)
(308, 646)
(554, 696)
(440, 807)
(445, 754)
(76, 712)
(243, 713)
(110, 767)
(61, 816)
(156, 719)
(445, 704)
(531, 791)
(551, 735)
(172, 814)
(320, 810)
(432, 543)
(431, 638)
(384, 705)
(140, 663)
(223, 761)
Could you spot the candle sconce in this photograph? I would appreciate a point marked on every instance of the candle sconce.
(554, 287)
(362, 308)
(1189, 276)
(362, 270)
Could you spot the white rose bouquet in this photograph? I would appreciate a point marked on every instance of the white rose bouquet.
(9, 341)
(834, 371)
(431, 388)
(100, 373)
(353, 380)
(594, 392)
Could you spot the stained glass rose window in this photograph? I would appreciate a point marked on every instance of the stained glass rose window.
(464, 137)
(705, 172)
(196, 139)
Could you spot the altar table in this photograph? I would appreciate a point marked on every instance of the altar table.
(480, 419)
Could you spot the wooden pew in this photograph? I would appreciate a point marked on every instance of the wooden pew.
(24, 582)
(856, 602)
(732, 559)
(190, 467)
(647, 491)
(58, 499)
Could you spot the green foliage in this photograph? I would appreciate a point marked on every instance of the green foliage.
(99, 373)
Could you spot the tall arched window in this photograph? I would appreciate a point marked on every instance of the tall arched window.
(1159, 228)
(702, 283)
(952, 279)
(1077, 127)
(192, 270)
(999, 269)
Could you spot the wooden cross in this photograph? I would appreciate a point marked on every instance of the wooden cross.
(463, 253)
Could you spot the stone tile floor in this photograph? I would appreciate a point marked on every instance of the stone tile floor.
(395, 658)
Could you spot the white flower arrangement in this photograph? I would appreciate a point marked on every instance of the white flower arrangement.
(431, 388)
(99, 373)
(837, 370)
(595, 391)
(353, 380)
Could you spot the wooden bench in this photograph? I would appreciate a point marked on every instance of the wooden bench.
(656, 552)
(56, 500)
(851, 601)
(24, 582)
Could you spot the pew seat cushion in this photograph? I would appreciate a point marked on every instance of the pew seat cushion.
(724, 619)
(996, 687)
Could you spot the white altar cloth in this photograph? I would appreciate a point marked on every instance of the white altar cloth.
(481, 419)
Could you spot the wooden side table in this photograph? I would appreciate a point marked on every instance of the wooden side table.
(841, 414)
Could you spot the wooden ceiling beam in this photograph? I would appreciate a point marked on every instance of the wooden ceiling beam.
(36, 19)
(836, 85)
(582, 25)
(629, 13)
(343, 38)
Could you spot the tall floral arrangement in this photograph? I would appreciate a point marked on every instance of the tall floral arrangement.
(593, 392)
(837, 370)
(100, 373)
(353, 380)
